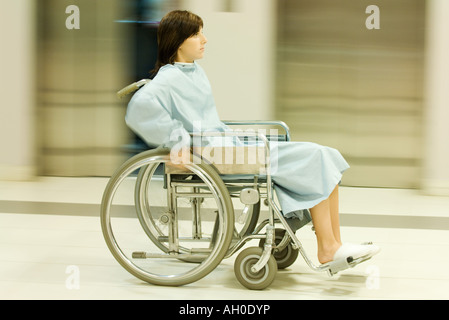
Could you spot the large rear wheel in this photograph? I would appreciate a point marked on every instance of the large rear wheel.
(149, 234)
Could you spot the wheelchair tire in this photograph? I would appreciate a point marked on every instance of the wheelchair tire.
(225, 215)
(254, 281)
(286, 257)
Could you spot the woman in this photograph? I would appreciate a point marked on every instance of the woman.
(164, 111)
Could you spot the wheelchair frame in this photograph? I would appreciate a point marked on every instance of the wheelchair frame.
(254, 267)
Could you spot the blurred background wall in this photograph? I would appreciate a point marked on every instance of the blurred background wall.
(80, 119)
(240, 56)
(356, 89)
(379, 96)
(17, 89)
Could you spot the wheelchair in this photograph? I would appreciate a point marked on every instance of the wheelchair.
(172, 224)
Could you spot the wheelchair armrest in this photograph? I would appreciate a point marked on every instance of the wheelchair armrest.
(262, 123)
(253, 159)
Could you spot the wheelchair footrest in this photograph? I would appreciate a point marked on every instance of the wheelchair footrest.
(345, 263)
(339, 265)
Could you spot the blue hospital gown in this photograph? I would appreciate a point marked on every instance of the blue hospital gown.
(179, 100)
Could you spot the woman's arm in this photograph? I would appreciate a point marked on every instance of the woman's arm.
(149, 119)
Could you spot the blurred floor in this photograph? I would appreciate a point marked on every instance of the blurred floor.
(51, 224)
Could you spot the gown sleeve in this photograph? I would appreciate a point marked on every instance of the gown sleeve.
(150, 118)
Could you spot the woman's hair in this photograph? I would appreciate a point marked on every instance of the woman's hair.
(175, 27)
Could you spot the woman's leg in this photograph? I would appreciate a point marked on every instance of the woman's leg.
(335, 214)
(327, 228)
(323, 221)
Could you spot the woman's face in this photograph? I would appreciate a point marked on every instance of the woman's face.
(192, 48)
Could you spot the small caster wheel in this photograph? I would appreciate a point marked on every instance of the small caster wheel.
(286, 257)
(254, 280)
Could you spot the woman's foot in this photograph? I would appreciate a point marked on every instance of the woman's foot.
(326, 254)
(348, 250)
(356, 251)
